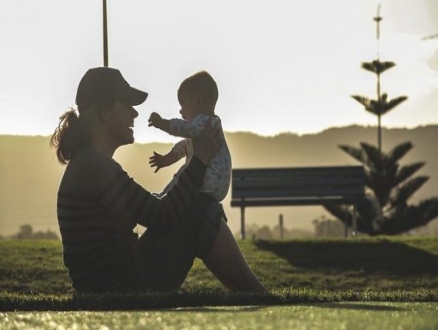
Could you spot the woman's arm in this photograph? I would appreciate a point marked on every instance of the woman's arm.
(122, 196)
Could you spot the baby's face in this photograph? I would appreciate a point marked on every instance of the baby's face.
(189, 105)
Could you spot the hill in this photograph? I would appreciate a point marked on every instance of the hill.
(30, 173)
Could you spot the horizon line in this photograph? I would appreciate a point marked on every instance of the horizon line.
(261, 134)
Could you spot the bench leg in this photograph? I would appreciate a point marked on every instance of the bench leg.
(353, 210)
(346, 224)
(242, 222)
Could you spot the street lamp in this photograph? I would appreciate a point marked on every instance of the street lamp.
(105, 36)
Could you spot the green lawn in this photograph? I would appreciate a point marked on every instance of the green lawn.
(396, 269)
(357, 316)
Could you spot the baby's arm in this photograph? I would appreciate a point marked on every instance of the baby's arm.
(180, 149)
(190, 129)
(157, 121)
(183, 128)
(159, 161)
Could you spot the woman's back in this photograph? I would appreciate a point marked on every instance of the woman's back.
(94, 238)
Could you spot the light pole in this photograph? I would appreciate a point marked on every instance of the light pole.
(105, 36)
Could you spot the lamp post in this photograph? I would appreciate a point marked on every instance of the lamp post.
(105, 36)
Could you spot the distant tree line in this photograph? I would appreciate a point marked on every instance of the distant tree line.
(26, 232)
(323, 227)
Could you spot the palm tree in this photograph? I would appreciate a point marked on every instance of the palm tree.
(382, 105)
(385, 209)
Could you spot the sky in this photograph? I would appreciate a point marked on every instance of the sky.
(280, 65)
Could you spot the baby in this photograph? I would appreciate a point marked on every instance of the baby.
(197, 96)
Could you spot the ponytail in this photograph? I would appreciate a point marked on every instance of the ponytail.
(70, 135)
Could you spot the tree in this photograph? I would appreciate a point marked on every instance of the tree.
(382, 104)
(325, 227)
(25, 232)
(385, 210)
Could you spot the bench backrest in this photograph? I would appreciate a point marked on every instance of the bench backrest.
(297, 185)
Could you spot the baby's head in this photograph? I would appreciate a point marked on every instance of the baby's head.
(197, 94)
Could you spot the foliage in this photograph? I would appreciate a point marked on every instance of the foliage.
(390, 185)
(254, 232)
(385, 210)
(325, 227)
(380, 106)
(26, 232)
(377, 66)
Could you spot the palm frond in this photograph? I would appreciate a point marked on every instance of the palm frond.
(426, 210)
(407, 171)
(410, 217)
(340, 212)
(395, 102)
(383, 106)
(377, 66)
(373, 155)
(366, 102)
(399, 151)
(407, 190)
(354, 152)
(368, 215)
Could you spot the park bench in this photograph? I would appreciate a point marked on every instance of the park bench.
(297, 186)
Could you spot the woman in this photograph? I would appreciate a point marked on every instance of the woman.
(99, 204)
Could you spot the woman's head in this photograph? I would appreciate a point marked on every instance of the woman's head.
(105, 110)
(103, 86)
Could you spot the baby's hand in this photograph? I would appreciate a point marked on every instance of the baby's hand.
(155, 119)
(157, 161)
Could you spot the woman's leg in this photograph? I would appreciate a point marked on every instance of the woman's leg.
(161, 261)
(227, 263)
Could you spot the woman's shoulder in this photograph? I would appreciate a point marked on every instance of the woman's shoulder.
(93, 158)
(90, 169)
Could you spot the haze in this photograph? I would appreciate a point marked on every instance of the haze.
(281, 66)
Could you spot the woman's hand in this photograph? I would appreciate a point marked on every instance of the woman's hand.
(206, 144)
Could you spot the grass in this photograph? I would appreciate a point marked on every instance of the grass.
(150, 301)
(356, 316)
(400, 269)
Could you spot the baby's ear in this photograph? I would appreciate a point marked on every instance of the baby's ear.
(199, 98)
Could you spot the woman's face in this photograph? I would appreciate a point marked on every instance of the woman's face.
(120, 122)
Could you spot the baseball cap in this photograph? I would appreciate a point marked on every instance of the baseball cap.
(104, 85)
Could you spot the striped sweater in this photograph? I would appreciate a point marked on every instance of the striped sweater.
(99, 205)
